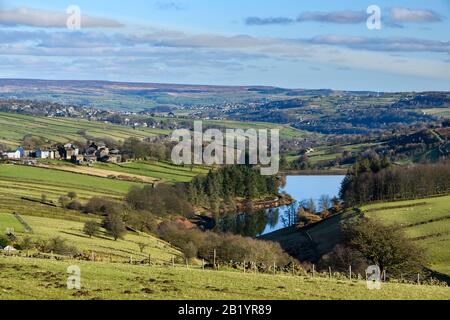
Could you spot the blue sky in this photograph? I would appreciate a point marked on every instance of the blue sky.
(295, 44)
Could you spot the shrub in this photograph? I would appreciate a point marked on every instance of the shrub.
(189, 250)
(4, 241)
(385, 246)
(74, 205)
(57, 245)
(114, 224)
(162, 200)
(228, 247)
(341, 258)
(102, 206)
(91, 228)
(72, 195)
(142, 246)
(63, 201)
(26, 243)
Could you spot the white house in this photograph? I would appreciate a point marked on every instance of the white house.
(13, 155)
(45, 154)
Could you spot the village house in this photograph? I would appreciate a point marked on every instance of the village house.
(67, 151)
(101, 153)
(45, 154)
(78, 159)
(13, 155)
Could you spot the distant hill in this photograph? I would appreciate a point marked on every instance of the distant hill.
(141, 96)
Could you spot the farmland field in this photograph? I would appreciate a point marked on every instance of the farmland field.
(33, 181)
(102, 280)
(426, 221)
(13, 127)
(8, 220)
(158, 170)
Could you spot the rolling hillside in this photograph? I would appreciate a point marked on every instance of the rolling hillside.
(13, 127)
(426, 221)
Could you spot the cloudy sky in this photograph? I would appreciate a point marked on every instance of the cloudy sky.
(294, 44)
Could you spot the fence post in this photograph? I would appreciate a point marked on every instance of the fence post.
(131, 259)
(418, 279)
(244, 266)
(173, 262)
(314, 270)
(274, 268)
(293, 269)
(214, 258)
(350, 271)
(329, 270)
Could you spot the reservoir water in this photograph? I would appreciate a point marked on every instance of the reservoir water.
(301, 188)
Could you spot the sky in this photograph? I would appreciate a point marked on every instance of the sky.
(286, 43)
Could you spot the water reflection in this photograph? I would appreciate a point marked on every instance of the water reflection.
(301, 188)
(250, 224)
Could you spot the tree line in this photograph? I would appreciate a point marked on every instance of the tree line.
(374, 180)
(220, 188)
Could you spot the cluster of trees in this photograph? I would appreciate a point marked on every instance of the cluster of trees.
(366, 182)
(160, 201)
(229, 248)
(221, 187)
(134, 148)
(56, 245)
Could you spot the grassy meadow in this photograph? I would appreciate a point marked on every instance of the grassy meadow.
(426, 221)
(29, 181)
(104, 246)
(26, 278)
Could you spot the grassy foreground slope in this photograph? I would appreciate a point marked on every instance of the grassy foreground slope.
(13, 127)
(426, 221)
(46, 279)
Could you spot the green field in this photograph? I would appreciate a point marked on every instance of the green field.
(160, 170)
(9, 221)
(427, 221)
(124, 281)
(13, 127)
(32, 181)
(50, 222)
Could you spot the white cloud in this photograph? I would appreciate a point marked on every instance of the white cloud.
(32, 17)
(405, 15)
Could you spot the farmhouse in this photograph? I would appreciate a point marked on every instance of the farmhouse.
(67, 151)
(101, 153)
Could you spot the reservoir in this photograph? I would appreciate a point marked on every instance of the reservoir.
(301, 188)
